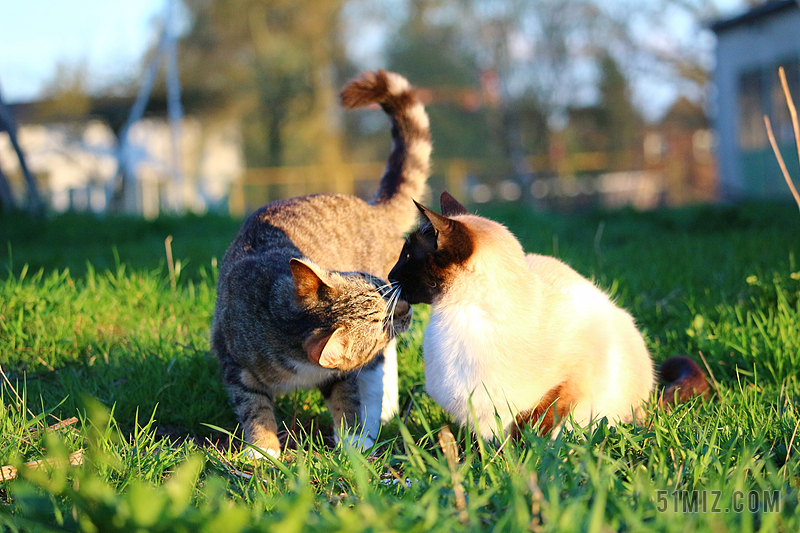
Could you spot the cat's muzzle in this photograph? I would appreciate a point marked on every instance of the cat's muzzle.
(400, 319)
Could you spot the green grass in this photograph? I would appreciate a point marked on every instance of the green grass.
(92, 326)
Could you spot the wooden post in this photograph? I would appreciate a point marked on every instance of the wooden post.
(455, 175)
(8, 124)
(236, 202)
(6, 198)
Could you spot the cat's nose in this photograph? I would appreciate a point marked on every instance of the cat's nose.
(401, 309)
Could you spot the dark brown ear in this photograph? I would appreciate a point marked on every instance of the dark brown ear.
(450, 206)
(307, 280)
(327, 349)
(440, 224)
(422, 209)
(449, 232)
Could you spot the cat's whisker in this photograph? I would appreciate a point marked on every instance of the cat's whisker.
(395, 299)
(391, 304)
(387, 307)
(389, 285)
(387, 312)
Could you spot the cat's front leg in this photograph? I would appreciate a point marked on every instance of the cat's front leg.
(344, 403)
(389, 395)
(261, 430)
(254, 408)
(377, 390)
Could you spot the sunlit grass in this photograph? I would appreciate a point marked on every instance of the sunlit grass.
(127, 354)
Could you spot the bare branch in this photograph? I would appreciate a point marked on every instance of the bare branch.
(792, 111)
(8, 473)
(779, 157)
(450, 449)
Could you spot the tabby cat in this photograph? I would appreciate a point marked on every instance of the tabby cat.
(301, 301)
(522, 337)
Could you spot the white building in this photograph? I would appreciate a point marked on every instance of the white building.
(750, 48)
(75, 164)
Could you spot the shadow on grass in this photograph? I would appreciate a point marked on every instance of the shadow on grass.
(185, 391)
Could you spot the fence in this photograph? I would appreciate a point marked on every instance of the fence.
(576, 180)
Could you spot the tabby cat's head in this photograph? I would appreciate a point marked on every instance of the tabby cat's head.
(351, 315)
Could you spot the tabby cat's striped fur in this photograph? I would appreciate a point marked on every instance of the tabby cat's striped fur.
(300, 298)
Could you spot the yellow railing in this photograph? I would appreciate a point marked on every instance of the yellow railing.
(260, 186)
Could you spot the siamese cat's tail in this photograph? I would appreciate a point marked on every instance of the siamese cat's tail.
(409, 163)
(683, 380)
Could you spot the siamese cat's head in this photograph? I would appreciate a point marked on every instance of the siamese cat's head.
(352, 315)
(433, 254)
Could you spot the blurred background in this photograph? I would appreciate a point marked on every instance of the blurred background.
(193, 106)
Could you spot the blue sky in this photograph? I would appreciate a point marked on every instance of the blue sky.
(109, 35)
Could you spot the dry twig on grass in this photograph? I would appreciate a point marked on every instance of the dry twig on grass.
(61, 424)
(170, 262)
(795, 129)
(7, 473)
(450, 449)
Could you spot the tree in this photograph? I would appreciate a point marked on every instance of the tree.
(66, 94)
(620, 119)
(499, 70)
(428, 48)
(272, 64)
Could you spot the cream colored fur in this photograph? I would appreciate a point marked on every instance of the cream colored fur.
(511, 327)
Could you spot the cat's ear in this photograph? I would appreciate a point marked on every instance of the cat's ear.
(307, 279)
(450, 206)
(440, 224)
(326, 349)
(446, 228)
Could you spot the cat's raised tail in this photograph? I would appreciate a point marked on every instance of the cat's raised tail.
(683, 379)
(409, 163)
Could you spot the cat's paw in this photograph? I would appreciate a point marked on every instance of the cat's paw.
(255, 454)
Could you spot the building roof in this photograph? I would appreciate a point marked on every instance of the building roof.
(113, 110)
(764, 10)
(685, 114)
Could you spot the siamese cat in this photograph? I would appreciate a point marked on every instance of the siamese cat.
(301, 300)
(523, 337)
